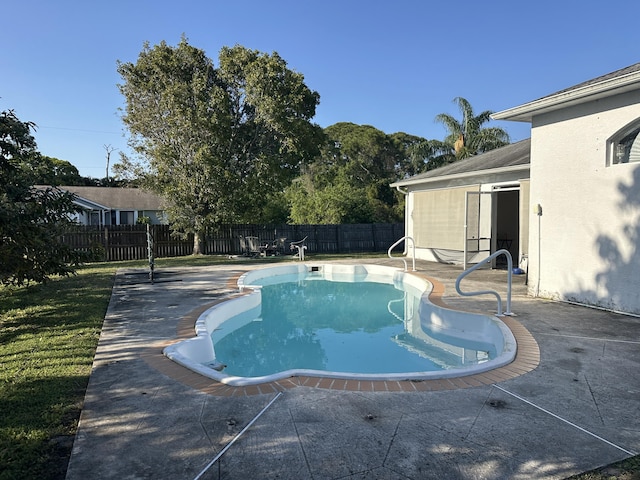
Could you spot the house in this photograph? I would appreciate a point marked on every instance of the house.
(584, 240)
(464, 211)
(565, 203)
(116, 206)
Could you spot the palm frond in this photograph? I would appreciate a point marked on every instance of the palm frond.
(468, 137)
(449, 122)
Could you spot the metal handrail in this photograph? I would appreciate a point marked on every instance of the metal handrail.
(413, 244)
(398, 300)
(491, 292)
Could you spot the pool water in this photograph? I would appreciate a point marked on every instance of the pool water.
(338, 326)
(365, 322)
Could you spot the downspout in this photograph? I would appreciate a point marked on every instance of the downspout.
(538, 212)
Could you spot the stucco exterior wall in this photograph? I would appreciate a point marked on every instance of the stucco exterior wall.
(584, 246)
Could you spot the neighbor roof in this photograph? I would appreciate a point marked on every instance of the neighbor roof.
(116, 198)
(514, 156)
(620, 81)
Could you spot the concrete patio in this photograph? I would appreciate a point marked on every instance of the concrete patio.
(145, 417)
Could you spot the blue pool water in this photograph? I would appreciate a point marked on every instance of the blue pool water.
(338, 326)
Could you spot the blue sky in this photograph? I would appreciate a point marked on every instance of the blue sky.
(393, 65)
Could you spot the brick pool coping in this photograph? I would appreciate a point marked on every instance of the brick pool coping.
(527, 359)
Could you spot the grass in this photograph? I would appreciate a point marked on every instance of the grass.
(48, 337)
(628, 469)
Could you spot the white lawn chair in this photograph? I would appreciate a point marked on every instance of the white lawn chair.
(255, 249)
(300, 247)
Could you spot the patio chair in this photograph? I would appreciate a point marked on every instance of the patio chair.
(244, 249)
(278, 246)
(300, 246)
(255, 249)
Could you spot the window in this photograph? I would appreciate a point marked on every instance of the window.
(624, 147)
(94, 218)
(126, 218)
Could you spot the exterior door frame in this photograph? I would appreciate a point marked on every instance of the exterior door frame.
(482, 214)
(486, 211)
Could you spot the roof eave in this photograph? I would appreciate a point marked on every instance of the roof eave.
(525, 112)
(88, 204)
(491, 171)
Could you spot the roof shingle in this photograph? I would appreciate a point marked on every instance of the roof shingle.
(119, 198)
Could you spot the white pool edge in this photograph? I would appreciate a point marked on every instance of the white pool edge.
(192, 353)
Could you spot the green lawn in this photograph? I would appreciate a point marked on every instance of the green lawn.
(48, 337)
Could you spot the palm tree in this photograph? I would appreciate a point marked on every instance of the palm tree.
(468, 137)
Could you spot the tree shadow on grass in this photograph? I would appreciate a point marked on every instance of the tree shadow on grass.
(48, 338)
(37, 425)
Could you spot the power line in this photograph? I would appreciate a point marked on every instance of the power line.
(78, 130)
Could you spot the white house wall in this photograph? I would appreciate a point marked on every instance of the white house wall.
(584, 246)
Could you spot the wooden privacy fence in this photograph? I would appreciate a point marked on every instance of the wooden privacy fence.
(129, 242)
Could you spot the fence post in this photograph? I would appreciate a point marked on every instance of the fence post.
(373, 236)
(150, 251)
(106, 244)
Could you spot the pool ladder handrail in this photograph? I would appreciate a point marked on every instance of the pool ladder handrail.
(398, 300)
(413, 244)
(491, 292)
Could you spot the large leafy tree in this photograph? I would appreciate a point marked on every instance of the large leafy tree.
(349, 181)
(217, 142)
(468, 136)
(31, 219)
(53, 171)
(418, 154)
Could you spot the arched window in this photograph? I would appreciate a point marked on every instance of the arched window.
(624, 146)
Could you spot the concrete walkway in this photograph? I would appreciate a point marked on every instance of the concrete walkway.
(577, 410)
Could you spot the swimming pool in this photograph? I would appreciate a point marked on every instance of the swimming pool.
(471, 343)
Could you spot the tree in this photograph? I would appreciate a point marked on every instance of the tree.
(127, 172)
(468, 137)
(53, 171)
(31, 219)
(418, 154)
(108, 150)
(217, 142)
(349, 181)
(334, 204)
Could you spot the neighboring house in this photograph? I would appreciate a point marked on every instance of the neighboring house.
(116, 206)
(573, 191)
(464, 211)
(585, 190)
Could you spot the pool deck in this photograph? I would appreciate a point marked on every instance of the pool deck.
(570, 402)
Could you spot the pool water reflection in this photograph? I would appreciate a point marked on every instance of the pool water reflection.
(355, 327)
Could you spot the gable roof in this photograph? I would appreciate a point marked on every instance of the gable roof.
(620, 81)
(514, 156)
(116, 198)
